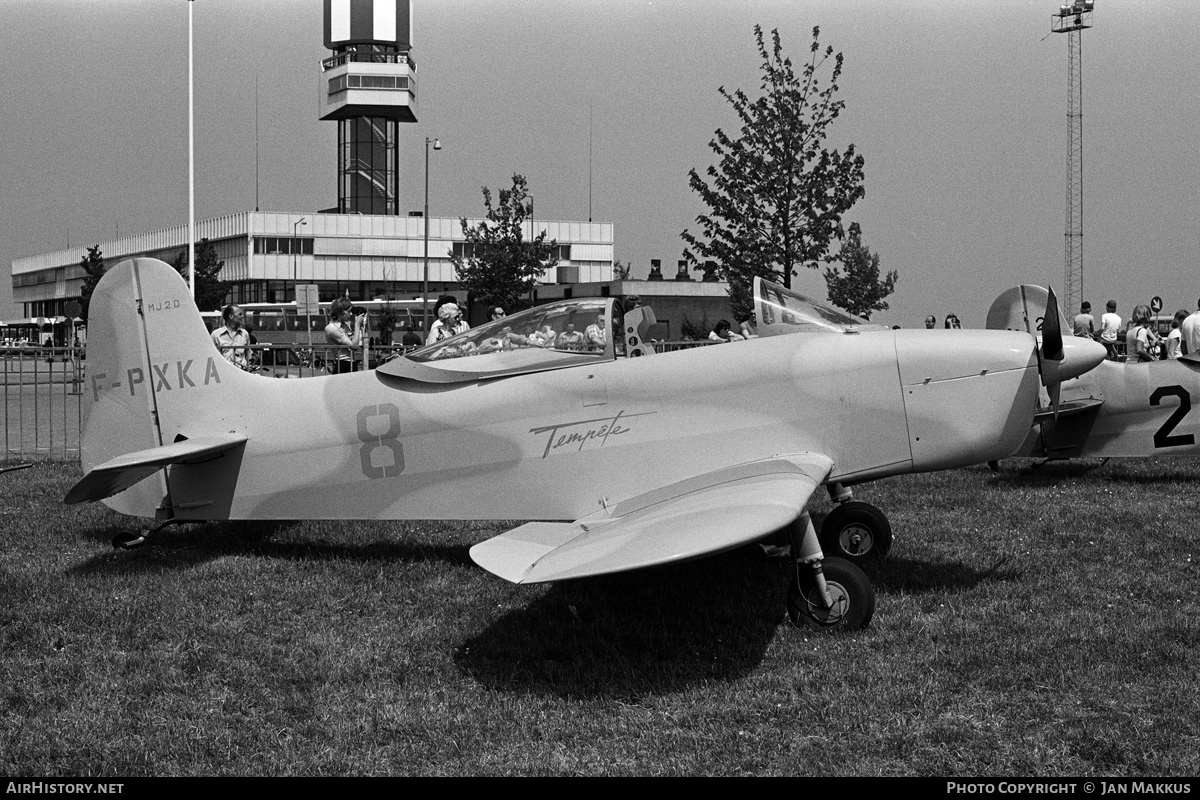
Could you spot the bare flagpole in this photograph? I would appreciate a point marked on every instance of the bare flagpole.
(191, 165)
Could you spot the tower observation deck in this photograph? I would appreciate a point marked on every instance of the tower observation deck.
(368, 86)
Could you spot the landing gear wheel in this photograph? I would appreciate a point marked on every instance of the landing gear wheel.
(856, 531)
(851, 592)
(126, 540)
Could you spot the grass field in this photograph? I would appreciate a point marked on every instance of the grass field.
(1029, 622)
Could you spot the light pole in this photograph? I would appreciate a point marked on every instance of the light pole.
(437, 145)
(296, 252)
(1073, 20)
(532, 240)
(191, 162)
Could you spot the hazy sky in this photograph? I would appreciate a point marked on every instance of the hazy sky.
(959, 107)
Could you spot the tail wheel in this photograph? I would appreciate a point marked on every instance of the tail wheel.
(856, 531)
(851, 593)
(127, 540)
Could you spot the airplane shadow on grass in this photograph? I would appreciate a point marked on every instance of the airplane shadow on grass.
(618, 636)
(666, 629)
(1147, 471)
(187, 546)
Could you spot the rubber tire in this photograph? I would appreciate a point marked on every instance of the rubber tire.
(851, 591)
(856, 518)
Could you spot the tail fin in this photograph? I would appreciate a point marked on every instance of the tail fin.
(151, 363)
(1022, 308)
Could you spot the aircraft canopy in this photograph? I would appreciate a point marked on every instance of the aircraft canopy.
(556, 335)
(780, 310)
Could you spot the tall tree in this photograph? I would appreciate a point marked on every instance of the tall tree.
(776, 194)
(859, 289)
(93, 267)
(210, 289)
(498, 266)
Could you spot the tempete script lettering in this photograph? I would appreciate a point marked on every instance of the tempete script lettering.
(577, 434)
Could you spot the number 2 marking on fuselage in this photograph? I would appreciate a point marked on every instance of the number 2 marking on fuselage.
(1163, 437)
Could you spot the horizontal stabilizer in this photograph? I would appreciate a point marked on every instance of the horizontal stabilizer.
(707, 514)
(1068, 408)
(118, 474)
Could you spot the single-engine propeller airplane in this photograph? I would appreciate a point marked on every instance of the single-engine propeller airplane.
(1117, 409)
(629, 462)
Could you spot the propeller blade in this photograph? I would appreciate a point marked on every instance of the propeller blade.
(1052, 340)
(1062, 359)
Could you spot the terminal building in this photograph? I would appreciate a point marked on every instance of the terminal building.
(362, 246)
(267, 253)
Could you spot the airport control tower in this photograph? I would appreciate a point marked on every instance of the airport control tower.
(369, 86)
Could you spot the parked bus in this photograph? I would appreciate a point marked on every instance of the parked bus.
(282, 337)
(39, 332)
(279, 324)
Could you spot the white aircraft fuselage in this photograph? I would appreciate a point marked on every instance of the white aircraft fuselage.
(556, 444)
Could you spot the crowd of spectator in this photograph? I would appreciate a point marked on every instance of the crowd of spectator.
(1140, 340)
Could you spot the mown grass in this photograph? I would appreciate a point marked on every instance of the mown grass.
(1029, 623)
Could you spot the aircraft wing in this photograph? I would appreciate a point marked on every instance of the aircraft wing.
(118, 474)
(706, 514)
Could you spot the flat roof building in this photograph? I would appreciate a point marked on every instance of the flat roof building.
(267, 253)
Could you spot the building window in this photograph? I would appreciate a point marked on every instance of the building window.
(391, 83)
(283, 245)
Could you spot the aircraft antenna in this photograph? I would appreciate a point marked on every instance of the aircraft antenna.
(1073, 20)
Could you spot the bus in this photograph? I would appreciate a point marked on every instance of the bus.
(39, 332)
(284, 338)
(279, 324)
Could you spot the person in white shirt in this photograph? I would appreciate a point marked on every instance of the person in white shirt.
(595, 336)
(721, 332)
(1189, 332)
(448, 323)
(1110, 326)
(346, 331)
(1175, 337)
(231, 338)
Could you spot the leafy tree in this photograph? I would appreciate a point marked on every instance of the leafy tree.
(776, 195)
(499, 267)
(93, 266)
(621, 271)
(389, 315)
(210, 289)
(859, 290)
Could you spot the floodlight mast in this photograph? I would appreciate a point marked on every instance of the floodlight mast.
(1072, 20)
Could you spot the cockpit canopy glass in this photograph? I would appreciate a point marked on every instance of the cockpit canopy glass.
(781, 311)
(559, 334)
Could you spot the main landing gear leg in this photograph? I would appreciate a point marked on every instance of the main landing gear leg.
(828, 594)
(856, 531)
